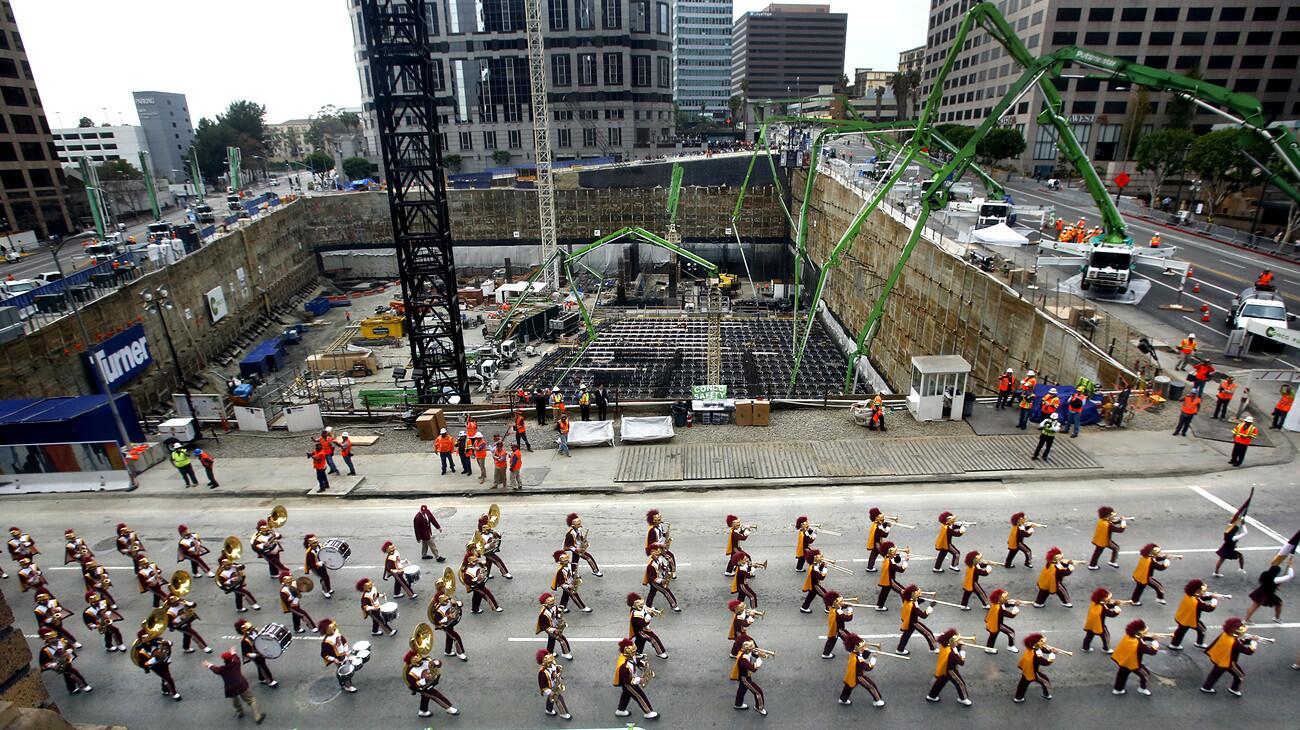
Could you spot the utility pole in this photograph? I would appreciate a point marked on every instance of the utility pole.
(542, 141)
(149, 185)
(197, 174)
(233, 158)
(90, 178)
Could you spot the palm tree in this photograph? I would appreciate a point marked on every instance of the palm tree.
(880, 95)
(905, 84)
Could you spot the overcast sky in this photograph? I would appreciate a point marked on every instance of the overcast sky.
(293, 56)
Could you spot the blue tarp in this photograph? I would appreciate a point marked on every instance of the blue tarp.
(66, 419)
(267, 357)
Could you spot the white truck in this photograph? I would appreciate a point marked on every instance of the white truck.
(1265, 307)
(1109, 267)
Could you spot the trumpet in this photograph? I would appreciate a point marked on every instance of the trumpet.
(943, 603)
(966, 524)
(1171, 555)
(765, 652)
(1209, 594)
(749, 528)
(836, 566)
(653, 611)
(1256, 637)
(756, 613)
(828, 531)
(1058, 651)
(1034, 524)
(762, 565)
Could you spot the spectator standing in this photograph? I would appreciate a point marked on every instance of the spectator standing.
(562, 425)
(466, 453)
(602, 402)
(500, 462)
(584, 403)
(1047, 435)
(480, 455)
(516, 465)
(345, 450)
(207, 461)
(1223, 397)
(1074, 412)
(237, 691)
(521, 430)
(1201, 375)
(1121, 402)
(1191, 404)
(327, 446)
(425, 523)
(539, 403)
(317, 456)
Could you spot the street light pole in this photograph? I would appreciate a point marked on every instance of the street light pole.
(158, 303)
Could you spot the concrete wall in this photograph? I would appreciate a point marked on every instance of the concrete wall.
(20, 682)
(275, 261)
(940, 306)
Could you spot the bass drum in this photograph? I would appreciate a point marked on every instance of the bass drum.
(272, 640)
(412, 574)
(334, 553)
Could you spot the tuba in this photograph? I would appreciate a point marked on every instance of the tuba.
(181, 583)
(232, 548)
(279, 515)
(422, 640)
(494, 516)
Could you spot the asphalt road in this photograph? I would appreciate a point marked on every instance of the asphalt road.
(496, 687)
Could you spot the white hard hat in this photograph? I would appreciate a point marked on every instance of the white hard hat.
(442, 431)
(1191, 335)
(1008, 369)
(462, 433)
(1053, 390)
(329, 429)
(1056, 416)
(345, 434)
(177, 447)
(1031, 372)
(555, 389)
(1249, 419)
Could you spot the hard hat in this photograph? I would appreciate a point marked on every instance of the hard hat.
(177, 447)
(345, 434)
(329, 429)
(198, 452)
(462, 433)
(1053, 390)
(1008, 370)
(443, 431)
(1056, 416)
(555, 389)
(1191, 335)
(1030, 373)
(1249, 419)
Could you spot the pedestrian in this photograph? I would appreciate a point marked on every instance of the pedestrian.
(1074, 412)
(1223, 397)
(480, 455)
(1201, 375)
(466, 453)
(1164, 203)
(539, 403)
(327, 445)
(181, 460)
(1026, 407)
(207, 461)
(521, 430)
(500, 462)
(602, 402)
(516, 464)
(237, 691)
(1186, 349)
(425, 523)
(584, 403)
(319, 463)
(1242, 404)
(345, 450)
(1121, 402)
(1047, 435)
(1242, 434)
(444, 446)
(1283, 407)
(562, 425)
(1191, 404)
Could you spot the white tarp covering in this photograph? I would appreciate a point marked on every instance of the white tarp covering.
(591, 433)
(650, 428)
(1000, 235)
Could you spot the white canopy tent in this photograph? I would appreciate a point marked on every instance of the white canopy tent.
(999, 235)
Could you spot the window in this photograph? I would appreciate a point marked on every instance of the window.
(559, 11)
(13, 95)
(34, 151)
(1226, 38)
(586, 69)
(8, 68)
(1068, 15)
(12, 179)
(1278, 62)
(1107, 143)
(1259, 38)
(7, 152)
(1246, 86)
(1219, 62)
(1201, 15)
(641, 71)
(611, 13)
(1293, 12)
(1186, 62)
(439, 80)
(1157, 61)
(614, 69)
(1166, 15)
(615, 137)
(560, 72)
(663, 19)
(1267, 14)
(588, 137)
(1129, 38)
(1083, 107)
(640, 22)
(1133, 15)
(1114, 107)
(1194, 39)
(489, 140)
(1252, 62)
(23, 124)
(563, 138)
(1096, 38)
(1087, 85)
(1045, 144)
(1101, 15)
(1290, 38)
(665, 72)
(1064, 38)
(467, 140)
(1277, 86)
(1232, 15)
(1162, 38)
(584, 14)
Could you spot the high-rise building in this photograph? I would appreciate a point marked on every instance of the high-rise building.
(787, 50)
(31, 179)
(166, 120)
(609, 74)
(702, 57)
(1250, 46)
(100, 145)
(911, 60)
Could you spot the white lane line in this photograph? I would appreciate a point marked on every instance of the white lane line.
(1216, 286)
(1258, 627)
(580, 639)
(1197, 550)
(1284, 362)
(1229, 263)
(1199, 323)
(1230, 508)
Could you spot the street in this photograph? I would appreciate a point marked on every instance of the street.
(497, 688)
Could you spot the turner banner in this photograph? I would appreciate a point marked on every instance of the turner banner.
(123, 356)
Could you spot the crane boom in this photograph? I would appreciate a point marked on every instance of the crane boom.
(542, 139)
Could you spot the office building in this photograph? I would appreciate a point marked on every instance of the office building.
(99, 145)
(288, 140)
(702, 57)
(911, 60)
(866, 81)
(787, 50)
(165, 118)
(31, 181)
(1250, 46)
(610, 77)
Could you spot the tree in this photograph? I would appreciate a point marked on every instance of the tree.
(124, 185)
(1179, 111)
(737, 105)
(1162, 154)
(502, 157)
(118, 170)
(880, 97)
(357, 168)
(1215, 159)
(242, 125)
(999, 144)
(330, 122)
(85, 123)
(905, 85)
(320, 161)
(1137, 116)
(211, 138)
(957, 134)
(451, 162)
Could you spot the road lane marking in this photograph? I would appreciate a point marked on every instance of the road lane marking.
(572, 639)
(1185, 293)
(1216, 286)
(1199, 323)
(1230, 508)
(1239, 266)
(1196, 550)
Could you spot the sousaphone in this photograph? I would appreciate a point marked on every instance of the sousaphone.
(279, 515)
(422, 640)
(232, 548)
(494, 516)
(181, 583)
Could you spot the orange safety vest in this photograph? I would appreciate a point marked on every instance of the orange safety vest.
(516, 460)
(1244, 433)
(318, 460)
(471, 428)
(1265, 279)
(1075, 404)
(520, 426)
(499, 458)
(1187, 346)
(480, 448)
(1005, 382)
(1028, 384)
(564, 426)
(444, 445)
(1191, 404)
(1284, 403)
(1225, 390)
(1050, 404)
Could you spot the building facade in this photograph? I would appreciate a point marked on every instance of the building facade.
(787, 50)
(913, 59)
(288, 140)
(1249, 46)
(702, 58)
(866, 81)
(32, 185)
(165, 118)
(100, 145)
(610, 79)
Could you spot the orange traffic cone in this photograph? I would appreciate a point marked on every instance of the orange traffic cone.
(1205, 313)
(1196, 287)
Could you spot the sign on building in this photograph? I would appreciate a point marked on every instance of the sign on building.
(122, 357)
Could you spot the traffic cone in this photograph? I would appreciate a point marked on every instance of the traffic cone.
(1191, 271)
(1205, 313)
(1196, 287)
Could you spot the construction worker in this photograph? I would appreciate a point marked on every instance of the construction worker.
(562, 425)
(444, 445)
(1050, 404)
(465, 451)
(1283, 406)
(181, 460)
(1186, 348)
(521, 430)
(1191, 404)
(208, 463)
(1006, 386)
(1029, 382)
(557, 401)
(500, 462)
(1155, 241)
(1026, 407)
(584, 404)
(1074, 412)
(1224, 397)
(516, 464)
(1201, 375)
(480, 455)
(1242, 435)
(1060, 225)
(318, 463)
(1047, 436)
(1264, 282)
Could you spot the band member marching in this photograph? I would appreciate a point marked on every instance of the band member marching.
(248, 649)
(1002, 608)
(95, 576)
(804, 537)
(813, 579)
(100, 615)
(1109, 524)
(747, 664)
(550, 620)
(657, 577)
(474, 576)
(21, 545)
(1225, 651)
(976, 568)
(181, 617)
(58, 655)
(894, 565)
(155, 657)
(741, 619)
(1151, 561)
(312, 563)
(1232, 534)
(861, 662)
(566, 581)
(877, 534)
(576, 541)
(371, 600)
(394, 567)
(491, 541)
(335, 650)
(836, 622)
(1021, 529)
(291, 603)
(127, 541)
(736, 534)
(1102, 606)
(949, 529)
(550, 682)
(744, 572)
(1197, 599)
(49, 616)
(30, 577)
(75, 548)
(151, 579)
(447, 610)
(659, 532)
(948, 668)
(1038, 655)
(1051, 579)
(232, 578)
(914, 609)
(1135, 645)
(638, 625)
(631, 673)
(266, 543)
(422, 675)
(191, 548)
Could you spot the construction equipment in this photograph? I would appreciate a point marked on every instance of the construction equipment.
(541, 137)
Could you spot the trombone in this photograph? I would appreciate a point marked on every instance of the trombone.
(877, 649)
(1050, 648)
(836, 566)
(828, 531)
(929, 596)
(895, 520)
(764, 652)
(762, 565)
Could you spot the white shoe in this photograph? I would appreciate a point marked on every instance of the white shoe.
(928, 698)
(424, 713)
(741, 706)
(807, 610)
(965, 702)
(878, 703)
(462, 657)
(499, 609)
(762, 711)
(990, 651)
(1017, 700)
(650, 715)
(452, 711)
(552, 713)
(1144, 691)
(882, 608)
(599, 574)
(1161, 601)
(662, 656)
(1231, 691)
(1093, 567)
(1112, 564)
(1118, 691)
(1013, 649)
(349, 688)
(567, 656)
(828, 656)
(256, 607)
(845, 702)
(621, 713)
(88, 688)
(207, 650)
(965, 608)
(936, 570)
(586, 609)
(1216, 575)
(566, 716)
(1068, 605)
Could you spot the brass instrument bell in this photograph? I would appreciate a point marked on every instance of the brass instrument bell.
(304, 584)
(279, 515)
(181, 583)
(155, 623)
(494, 516)
(422, 640)
(232, 548)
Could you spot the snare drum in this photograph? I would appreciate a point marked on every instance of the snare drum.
(334, 553)
(272, 639)
(412, 574)
(388, 611)
(360, 652)
(346, 669)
